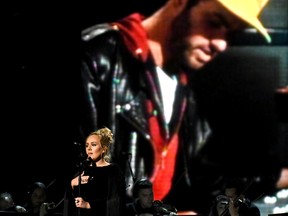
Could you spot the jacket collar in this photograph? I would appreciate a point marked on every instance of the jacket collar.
(134, 35)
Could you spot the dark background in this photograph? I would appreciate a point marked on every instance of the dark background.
(40, 63)
(39, 67)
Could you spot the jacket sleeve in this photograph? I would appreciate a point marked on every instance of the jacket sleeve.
(98, 48)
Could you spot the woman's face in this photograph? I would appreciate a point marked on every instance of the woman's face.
(94, 148)
(38, 197)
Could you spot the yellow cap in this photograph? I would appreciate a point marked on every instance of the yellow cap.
(248, 10)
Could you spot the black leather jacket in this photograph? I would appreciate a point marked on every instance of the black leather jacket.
(114, 88)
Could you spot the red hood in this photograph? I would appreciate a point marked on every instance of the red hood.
(134, 35)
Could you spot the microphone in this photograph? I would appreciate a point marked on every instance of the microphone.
(163, 209)
(77, 144)
(88, 161)
(127, 155)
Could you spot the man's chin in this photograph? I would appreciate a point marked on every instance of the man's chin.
(196, 65)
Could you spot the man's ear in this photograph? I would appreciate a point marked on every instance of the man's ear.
(180, 3)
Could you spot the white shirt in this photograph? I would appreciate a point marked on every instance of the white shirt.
(168, 88)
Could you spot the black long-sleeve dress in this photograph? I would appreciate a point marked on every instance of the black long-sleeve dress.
(105, 191)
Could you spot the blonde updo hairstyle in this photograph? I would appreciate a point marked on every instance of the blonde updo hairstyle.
(106, 140)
